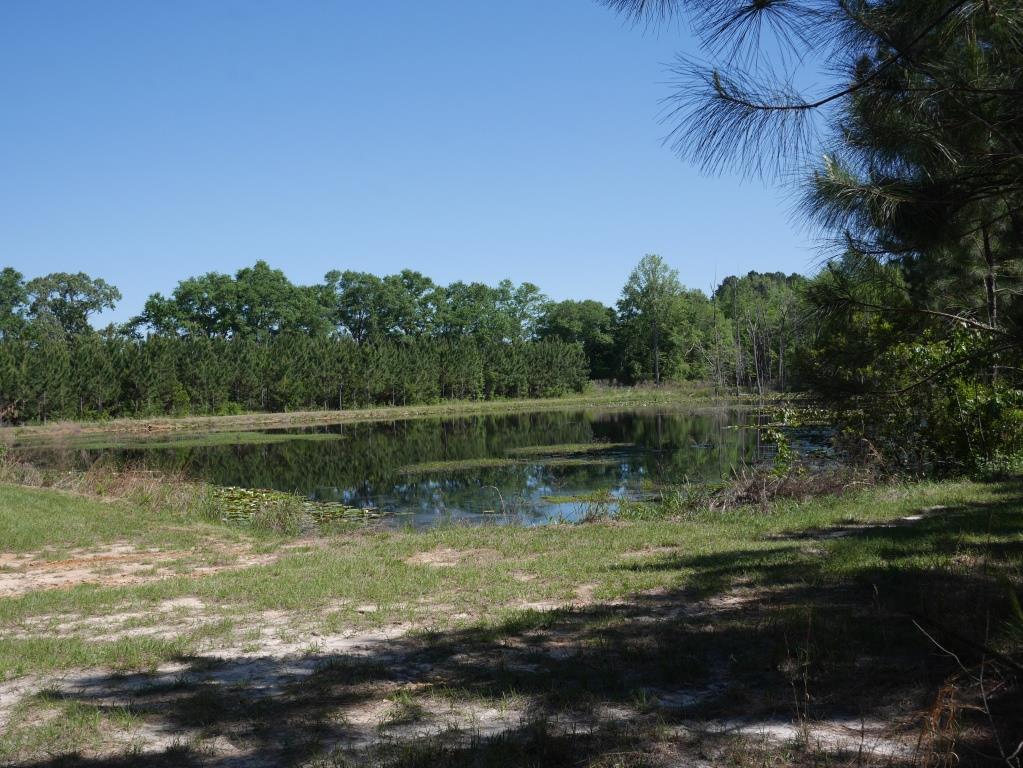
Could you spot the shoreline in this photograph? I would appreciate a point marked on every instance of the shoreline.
(64, 432)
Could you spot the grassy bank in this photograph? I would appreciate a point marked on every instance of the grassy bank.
(93, 432)
(625, 643)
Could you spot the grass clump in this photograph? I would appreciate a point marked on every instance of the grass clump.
(19, 656)
(567, 449)
(138, 499)
(158, 441)
(282, 516)
(49, 723)
(504, 462)
(269, 511)
(762, 489)
(404, 709)
(458, 465)
(52, 523)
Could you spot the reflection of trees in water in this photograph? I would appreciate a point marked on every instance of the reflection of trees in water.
(364, 464)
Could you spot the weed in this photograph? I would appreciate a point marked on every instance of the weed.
(282, 516)
(404, 710)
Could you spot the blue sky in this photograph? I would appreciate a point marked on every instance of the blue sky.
(147, 141)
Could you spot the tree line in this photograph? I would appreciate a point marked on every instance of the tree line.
(256, 341)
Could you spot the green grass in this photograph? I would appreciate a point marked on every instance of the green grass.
(567, 449)
(468, 465)
(833, 585)
(599, 496)
(201, 440)
(459, 465)
(20, 656)
(53, 522)
(499, 568)
(48, 724)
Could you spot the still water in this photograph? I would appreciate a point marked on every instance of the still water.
(528, 468)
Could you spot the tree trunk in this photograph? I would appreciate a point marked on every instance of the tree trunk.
(990, 291)
(989, 281)
(657, 353)
(781, 362)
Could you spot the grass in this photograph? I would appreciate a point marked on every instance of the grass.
(596, 497)
(144, 509)
(539, 629)
(459, 465)
(503, 567)
(21, 656)
(501, 462)
(102, 442)
(567, 449)
(48, 723)
(53, 523)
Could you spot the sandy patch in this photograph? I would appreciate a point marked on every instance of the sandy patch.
(540, 605)
(866, 737)
(165, 620)
(117, 565)
(584, 594)
(13, 691)
(446, 557)
(441, 557)
(651, 552)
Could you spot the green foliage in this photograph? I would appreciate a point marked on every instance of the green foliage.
(44, 376)
(786, 457)
(13, 298)
(46, 366)
(223, 344)
(916, 328)
(70, 299)
(589, 323)
(762, 331)
(843, 299)
(747, 335)
(929, 395)
(930, 405)
(651, 311)
(257, 302)
(1001, 467)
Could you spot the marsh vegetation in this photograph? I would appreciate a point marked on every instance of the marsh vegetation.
(530, 467)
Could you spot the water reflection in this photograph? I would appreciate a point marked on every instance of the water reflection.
(531, 468)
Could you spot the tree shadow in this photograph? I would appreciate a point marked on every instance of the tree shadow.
(779, 638)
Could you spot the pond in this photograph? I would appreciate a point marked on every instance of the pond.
(527, 468)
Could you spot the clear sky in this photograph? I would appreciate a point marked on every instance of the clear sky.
(145, 141)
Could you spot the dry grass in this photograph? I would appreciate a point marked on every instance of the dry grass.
(137, 485)
(759, 488)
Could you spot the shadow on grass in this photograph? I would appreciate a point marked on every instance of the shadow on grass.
(816, 630)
